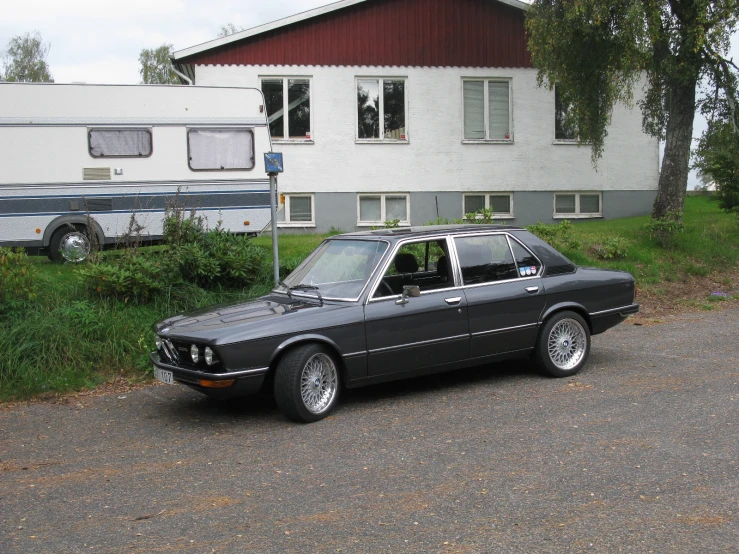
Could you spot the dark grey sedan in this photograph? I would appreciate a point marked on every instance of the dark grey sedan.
(382, 305)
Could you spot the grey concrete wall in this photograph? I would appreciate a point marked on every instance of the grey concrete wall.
(339, 209)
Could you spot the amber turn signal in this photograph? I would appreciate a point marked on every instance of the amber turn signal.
(216, 384)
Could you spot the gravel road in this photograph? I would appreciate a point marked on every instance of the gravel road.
(637, 453)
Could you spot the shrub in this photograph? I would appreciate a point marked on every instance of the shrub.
(484, 216)
(665, 230)
(609, 247)
(558, 235)
(17, 278)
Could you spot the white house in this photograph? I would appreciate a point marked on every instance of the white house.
(422, 109)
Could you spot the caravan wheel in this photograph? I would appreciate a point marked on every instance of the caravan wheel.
(69, 243)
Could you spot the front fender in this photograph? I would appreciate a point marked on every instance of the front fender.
(309, 337)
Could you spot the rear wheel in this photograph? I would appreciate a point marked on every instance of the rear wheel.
(563, 345)
(307, 383)
(70, 243)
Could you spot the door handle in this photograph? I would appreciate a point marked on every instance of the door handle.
(532, 290)
(453, 301)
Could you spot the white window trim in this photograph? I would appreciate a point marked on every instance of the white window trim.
(486, 112)
(287, 222)
(487, 194)
(285, 133)
(577, 214)
(381, 140)
(383, 212)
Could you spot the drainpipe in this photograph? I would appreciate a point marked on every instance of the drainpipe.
(180, 74)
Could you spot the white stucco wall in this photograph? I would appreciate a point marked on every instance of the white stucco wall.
(435, 159)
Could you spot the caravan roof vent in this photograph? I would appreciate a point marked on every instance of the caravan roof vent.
(95, 173)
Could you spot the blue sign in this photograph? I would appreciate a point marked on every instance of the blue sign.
(273, 162)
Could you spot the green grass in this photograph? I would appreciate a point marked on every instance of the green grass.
(69, 339)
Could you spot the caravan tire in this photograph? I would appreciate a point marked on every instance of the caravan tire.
(70, 243)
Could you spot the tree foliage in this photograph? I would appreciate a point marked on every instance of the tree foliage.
(717, 155)
(597, 51)
(25, 60)
(156, 66)
(228, 29)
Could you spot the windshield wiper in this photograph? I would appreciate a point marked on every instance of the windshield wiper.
(288, 289)
(303, 286)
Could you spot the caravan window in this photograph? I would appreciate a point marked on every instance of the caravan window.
(119, 143)
(220, 149)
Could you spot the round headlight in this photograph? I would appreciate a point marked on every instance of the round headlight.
(194, 353)
(158, 342)
(208, 355)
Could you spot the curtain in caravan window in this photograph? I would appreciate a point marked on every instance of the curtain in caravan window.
(474, 110)
(218, 149)
(498, 108)
(120, 142)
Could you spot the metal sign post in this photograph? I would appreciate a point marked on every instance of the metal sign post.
(273, 165)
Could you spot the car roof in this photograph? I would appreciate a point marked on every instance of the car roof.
(421, 231)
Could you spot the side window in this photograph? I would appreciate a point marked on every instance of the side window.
(527, 264)
(485, 259)
(119, 143)
(220, 149)
(423, 264)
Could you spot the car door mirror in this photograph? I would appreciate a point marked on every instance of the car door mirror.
(409, 291)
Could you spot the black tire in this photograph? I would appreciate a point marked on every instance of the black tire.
(563, 345)
(307, 383)
(56, 239)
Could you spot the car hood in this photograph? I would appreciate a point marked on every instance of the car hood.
(266, 316)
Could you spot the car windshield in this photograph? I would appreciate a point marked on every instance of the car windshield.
(337, 269)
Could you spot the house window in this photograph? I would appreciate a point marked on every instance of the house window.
(299, 210)
(220, 149)
(376, 209)
(381, 110)
(119, 143)
(501, 204)
(487, 109)
(288, 108)
(578, 204)
(562, 131)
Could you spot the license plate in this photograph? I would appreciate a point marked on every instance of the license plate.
(164, 376)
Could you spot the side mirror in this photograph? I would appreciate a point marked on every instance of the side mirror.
(409, 291)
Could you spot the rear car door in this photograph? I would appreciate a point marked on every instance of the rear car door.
(504, 291)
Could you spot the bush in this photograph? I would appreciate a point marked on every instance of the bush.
(609, 247)
(17, 278)
(558, 235)
(665, 230)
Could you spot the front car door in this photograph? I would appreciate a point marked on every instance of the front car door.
(407, 334)
(504, 290)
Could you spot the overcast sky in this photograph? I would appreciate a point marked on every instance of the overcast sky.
(100, 41)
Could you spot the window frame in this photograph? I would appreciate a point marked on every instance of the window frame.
(487, 195)
(383, 209)
(287, 222)
(253, 152)
(486, 110)
(575, 140)
(381, 139)
(285, 124)
(148, 130)
(577, 214)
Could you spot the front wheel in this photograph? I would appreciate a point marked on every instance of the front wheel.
(563, 345)
(307, 383)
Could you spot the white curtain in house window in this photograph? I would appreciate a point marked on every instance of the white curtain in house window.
(221, 149)
(474, 110)
(396, 208)
(498, 107)
(589, 203)
(120, 142)
(370, 208)
(564, 204)
(300, 208)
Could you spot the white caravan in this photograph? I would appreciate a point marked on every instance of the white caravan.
(79, 156)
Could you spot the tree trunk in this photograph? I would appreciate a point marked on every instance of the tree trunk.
(673, 178)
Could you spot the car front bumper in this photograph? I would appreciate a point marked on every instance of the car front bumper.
(245, 382)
